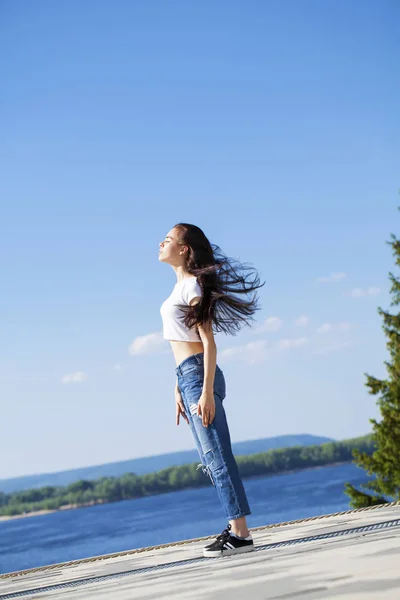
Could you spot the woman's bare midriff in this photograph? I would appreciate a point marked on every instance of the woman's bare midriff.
(183, 350)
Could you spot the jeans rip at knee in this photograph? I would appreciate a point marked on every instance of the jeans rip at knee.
(214, 466)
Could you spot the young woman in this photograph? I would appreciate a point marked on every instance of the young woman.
(211, 295)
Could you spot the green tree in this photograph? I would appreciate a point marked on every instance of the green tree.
(80, 486)
(384, 463)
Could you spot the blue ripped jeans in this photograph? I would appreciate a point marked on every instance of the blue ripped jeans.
(213, 442)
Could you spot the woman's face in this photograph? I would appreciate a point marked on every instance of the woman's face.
(170, 251)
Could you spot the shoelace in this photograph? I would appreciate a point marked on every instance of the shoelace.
(225, 535)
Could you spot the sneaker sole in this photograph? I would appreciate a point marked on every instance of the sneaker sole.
(227, 552)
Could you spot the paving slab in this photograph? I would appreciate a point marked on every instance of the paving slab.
(354, 556)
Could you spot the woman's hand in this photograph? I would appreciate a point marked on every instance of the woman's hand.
(206, 408)
(180, 408)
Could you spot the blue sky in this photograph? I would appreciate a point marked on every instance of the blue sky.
(274, 127)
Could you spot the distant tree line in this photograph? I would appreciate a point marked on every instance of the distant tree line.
(128, 486)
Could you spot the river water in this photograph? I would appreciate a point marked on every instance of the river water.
(67, 535)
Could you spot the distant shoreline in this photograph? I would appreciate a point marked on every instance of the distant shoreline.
(38, 513)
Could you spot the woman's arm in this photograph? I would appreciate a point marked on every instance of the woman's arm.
(210, 352)
(206, 405)
(210, 357)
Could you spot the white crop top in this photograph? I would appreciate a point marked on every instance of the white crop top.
(174, 328)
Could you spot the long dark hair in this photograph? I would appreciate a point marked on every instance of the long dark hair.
(229, 298)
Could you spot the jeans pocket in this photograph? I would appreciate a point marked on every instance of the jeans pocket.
(193, 370)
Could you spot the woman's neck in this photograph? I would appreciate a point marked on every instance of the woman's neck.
(181, 274)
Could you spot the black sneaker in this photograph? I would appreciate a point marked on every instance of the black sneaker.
(227, 544)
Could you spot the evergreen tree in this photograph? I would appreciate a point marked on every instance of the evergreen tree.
(384, 463)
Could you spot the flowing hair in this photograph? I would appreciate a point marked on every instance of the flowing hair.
(229, 287)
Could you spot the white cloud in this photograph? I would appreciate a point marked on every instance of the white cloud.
(330, 348)
(332, 278)
(117, 367)
(270, 324)
(328, 327)
(255, 346)
(76, 377)
(251, 353)
(359, 293)
(146, 344)
(291, 343)
(302, 321)
(254, 352)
